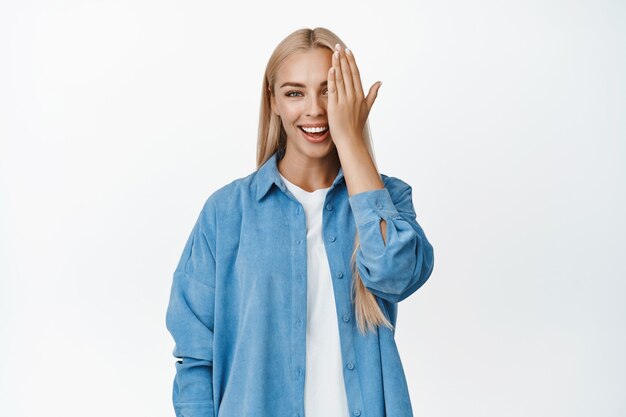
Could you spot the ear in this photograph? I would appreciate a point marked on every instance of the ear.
(272, 102)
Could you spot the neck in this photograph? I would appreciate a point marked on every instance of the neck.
(310, 174)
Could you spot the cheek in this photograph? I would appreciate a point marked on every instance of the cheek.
(290, 112)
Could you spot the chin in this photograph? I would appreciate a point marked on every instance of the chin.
(320, 150)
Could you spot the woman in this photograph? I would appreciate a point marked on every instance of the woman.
(285, 298)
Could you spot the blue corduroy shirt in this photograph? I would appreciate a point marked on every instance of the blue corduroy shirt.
(238, 304)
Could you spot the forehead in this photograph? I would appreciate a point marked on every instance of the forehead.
(311, 65)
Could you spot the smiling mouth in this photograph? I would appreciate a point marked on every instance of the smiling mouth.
(315, 134)
(314, 130)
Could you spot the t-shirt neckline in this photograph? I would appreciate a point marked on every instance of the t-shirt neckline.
(303, 191)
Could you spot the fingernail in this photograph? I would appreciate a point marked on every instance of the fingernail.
(380, 83)
(338, 47)
(348, 51)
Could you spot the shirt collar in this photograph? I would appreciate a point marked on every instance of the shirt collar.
(268, 174)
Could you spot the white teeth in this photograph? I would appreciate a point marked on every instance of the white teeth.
(315, 129)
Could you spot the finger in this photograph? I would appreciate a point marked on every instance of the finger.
(373, 93)
(341, 90)
(332, 85)
(356, 75)
(346, 74)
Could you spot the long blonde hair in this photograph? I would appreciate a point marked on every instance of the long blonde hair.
(272, 138)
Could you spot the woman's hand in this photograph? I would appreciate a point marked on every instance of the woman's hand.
(347, 107)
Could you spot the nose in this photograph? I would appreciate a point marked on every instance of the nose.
(315, 106)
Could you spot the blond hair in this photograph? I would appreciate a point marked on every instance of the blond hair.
(272, 138)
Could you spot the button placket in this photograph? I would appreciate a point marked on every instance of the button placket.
(300, 293)
(339, 271)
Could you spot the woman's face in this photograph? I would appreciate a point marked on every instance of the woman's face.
(300, 99)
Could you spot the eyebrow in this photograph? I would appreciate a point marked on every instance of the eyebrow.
(292, 84)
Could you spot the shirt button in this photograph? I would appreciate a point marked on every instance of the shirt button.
(339, 274)
(299, 322)
(380, 206)
(350, 365)
(329, 207)
(299, 241)
(357, 412)
(332, 238)
(346, 318)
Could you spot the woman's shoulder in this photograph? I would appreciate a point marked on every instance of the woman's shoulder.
(231, 196)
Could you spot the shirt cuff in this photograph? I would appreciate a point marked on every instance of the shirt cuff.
(372, 205)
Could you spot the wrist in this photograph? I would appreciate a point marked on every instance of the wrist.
(349, 142)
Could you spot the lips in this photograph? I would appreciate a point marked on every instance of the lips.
(315, 137)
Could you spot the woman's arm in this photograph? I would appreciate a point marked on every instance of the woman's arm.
(394, 258)
(189, 319)
(395, 267)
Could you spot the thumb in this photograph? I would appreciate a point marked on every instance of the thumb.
(372, 94)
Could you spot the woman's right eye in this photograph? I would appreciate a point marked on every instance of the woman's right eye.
(289, 94)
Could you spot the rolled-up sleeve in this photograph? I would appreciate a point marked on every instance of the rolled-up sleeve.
(395, 268)
(189, 319)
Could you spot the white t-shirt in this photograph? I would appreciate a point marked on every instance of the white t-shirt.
(324, 389)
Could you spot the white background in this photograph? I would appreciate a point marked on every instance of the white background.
(119, 118)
